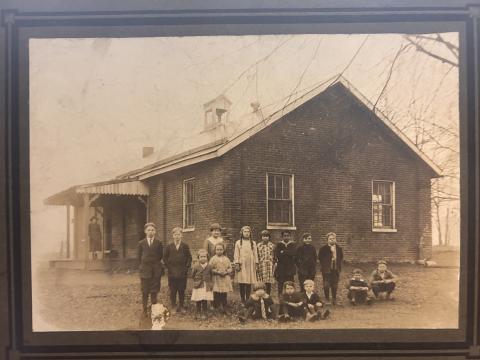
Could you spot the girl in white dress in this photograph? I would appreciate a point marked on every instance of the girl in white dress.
(245, 259)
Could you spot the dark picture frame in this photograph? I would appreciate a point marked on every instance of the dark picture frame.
(23, 20)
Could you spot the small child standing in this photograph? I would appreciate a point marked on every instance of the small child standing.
(382, 280)
(306, 259)
(214, 239)
(246, 262)
(292, 306)
(265, 250)
(259, 305)
(358, 289)
(202, 284)
(222, 283)
(314, 306)
(178, 260)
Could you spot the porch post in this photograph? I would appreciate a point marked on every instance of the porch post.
(86, 207)
(68, 231)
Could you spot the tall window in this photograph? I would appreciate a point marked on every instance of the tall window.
(383, 205)
(189, 204)
(280, 200)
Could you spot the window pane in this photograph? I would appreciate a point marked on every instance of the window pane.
(286, 189)
(279, 196)
(271, 189)
(387, 216)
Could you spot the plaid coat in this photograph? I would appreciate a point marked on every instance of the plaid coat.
(265, 261)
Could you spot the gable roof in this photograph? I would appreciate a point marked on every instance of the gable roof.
(218, 148)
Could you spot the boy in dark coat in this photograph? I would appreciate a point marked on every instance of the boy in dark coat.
(331, 258)
(178, 259)
(259, 305)
(382, 280)
(285, 260)
(149, 255)
(358, 289)
(306, 259)
(314, 307)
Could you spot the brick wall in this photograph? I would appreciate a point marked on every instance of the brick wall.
(168, 189)
(335, 148)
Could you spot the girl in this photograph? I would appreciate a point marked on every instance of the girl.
(292, 306)
(214, 239)
(202, 284)
(245, 259)
(265, 260)
(222, 283)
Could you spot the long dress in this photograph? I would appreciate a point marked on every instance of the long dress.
(246, 255)
(265, 257)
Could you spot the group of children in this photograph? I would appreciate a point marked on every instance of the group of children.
(256, 266)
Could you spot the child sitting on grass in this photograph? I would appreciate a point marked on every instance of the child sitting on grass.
(292, 306)
(315, 309)
(259, 305)
(382, 280)
(358, 289)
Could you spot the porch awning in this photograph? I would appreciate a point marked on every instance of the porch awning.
(73, 195)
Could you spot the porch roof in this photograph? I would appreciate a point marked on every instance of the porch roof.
(73, 195)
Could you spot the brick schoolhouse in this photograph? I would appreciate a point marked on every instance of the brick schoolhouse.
(323, 162)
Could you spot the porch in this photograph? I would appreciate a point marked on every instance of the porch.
(104, 222)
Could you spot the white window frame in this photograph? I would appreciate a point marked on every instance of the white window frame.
(275, 226)
(393, 229)
(184, 205)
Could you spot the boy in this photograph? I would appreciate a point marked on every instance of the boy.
(312, 302)
(331, 258)
(178, 259)
(382, 280)
(285, 260)
(259, 305)
(358, 289)
(306, 259)
(149, 255)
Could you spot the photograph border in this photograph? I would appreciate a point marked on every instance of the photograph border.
(25, 20)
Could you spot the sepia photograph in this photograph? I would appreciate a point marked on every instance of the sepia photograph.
(247, 182)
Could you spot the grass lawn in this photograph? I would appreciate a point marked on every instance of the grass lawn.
(92, 300)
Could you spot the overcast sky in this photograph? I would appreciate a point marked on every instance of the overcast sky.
(94, 103)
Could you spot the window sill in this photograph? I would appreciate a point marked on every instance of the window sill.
(384, 230)
(281, 227)
(188, 230)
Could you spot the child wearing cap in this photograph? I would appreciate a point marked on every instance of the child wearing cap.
(358, 289)
(178, 260)
(306, 259)
(292, 306)
(202, 284)
(265, 249)
(259, 305)
(314, 306)
(382, 280)
(214, 239)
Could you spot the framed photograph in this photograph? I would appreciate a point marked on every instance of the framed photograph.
(254, 180)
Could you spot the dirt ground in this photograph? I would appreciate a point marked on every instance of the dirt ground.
(77, 300)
